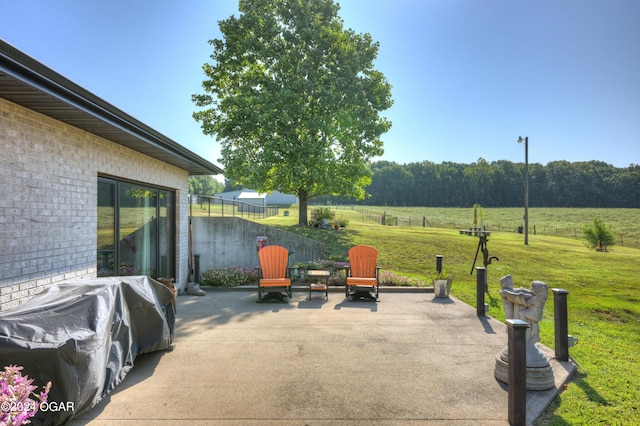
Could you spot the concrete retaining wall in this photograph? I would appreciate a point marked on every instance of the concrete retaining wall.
(225, 242)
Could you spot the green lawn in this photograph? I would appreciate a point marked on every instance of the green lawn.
(604, 308)
(558, 222)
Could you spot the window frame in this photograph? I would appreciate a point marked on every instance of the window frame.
(117, 183)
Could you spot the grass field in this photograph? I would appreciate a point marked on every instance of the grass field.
(604, 308)
(557, 222)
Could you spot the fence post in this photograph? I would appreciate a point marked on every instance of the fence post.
(560, 323)
(517, 371)
(480, 286)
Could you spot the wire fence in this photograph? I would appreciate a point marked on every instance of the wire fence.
(200, 205)
(207, 206)
(384, 218)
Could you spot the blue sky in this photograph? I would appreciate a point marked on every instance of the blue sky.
(468, 76)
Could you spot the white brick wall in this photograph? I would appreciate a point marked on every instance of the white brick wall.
(48, 195)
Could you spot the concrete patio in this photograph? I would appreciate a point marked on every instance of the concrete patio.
(409, 359)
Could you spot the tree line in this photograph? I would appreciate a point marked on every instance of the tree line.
(500, 184)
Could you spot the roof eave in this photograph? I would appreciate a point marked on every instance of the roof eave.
(29, 83)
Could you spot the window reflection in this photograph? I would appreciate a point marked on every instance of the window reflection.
(143, 217)
(106, 228)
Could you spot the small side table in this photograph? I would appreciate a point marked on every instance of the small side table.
(319, 286)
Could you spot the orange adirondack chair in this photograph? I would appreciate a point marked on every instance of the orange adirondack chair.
(363, 270)
(273, 268)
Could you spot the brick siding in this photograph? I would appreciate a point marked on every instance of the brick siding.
(48, 215)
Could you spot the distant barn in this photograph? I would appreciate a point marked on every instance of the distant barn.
(252, 202)
(276, 197)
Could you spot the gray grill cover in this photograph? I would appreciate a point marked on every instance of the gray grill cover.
(84, 335)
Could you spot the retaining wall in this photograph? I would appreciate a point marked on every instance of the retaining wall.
(225, 242)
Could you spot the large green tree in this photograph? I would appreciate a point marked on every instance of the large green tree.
(295, 100)
(204, 185)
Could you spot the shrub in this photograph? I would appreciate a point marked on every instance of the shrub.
(598, 234)
(323, 213)
(335, 267)
(338, 278)
(328, 264)
(229, 277)
(342, 222)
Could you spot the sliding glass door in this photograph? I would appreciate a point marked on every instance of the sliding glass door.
(106, 227)
(136, 229)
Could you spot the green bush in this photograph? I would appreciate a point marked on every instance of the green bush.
(229, 277)
(598, 234)
(323, 213)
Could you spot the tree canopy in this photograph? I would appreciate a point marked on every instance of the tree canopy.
(501, 184)
(204, 185)
(295, 100)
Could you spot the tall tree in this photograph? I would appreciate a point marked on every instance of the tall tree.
(295, 100)
(395, 183)
(204, 185)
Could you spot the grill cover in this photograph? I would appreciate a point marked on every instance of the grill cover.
(84, 336)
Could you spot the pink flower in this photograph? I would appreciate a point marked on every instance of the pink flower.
(16, 405)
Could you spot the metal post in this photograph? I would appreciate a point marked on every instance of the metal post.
(196, 268)
(526, 187)
(561, 326)
(526, 190)
(517, 371)
(438, 263)
(480, 280)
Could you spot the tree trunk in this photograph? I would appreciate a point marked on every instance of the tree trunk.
(303, 200)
